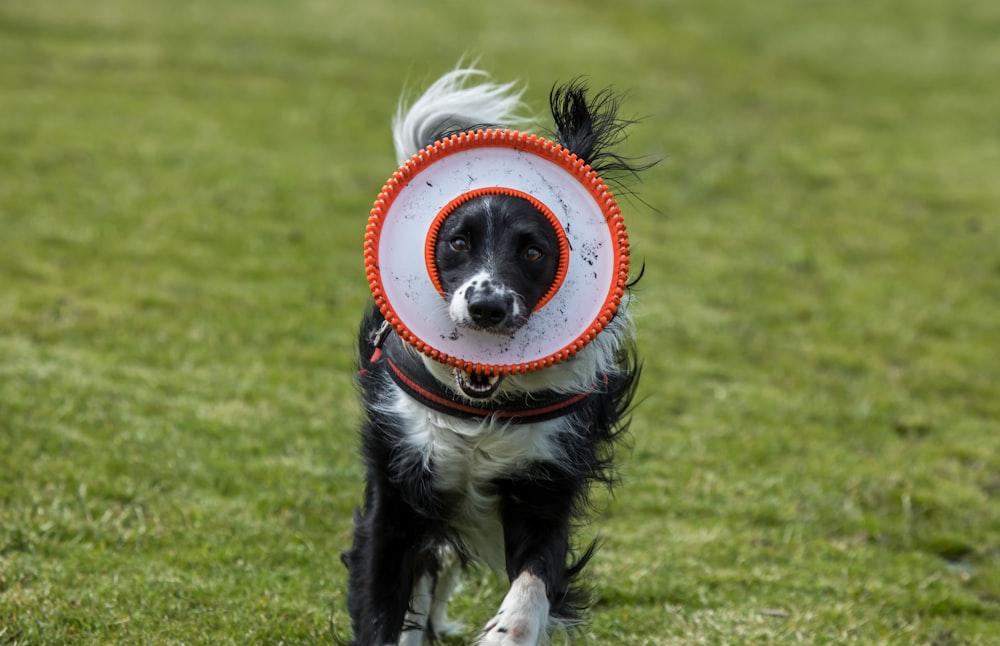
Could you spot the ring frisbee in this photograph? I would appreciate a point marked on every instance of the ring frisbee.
(402, 227)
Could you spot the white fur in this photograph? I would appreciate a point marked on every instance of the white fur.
(449, 105)
(458, 307)
(523, 616)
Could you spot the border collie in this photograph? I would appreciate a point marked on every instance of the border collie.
(446, 488)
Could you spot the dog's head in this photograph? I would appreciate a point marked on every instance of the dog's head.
(496, 258)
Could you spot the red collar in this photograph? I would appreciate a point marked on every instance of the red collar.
(409, 373)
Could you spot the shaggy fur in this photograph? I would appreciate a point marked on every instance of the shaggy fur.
(442, 490)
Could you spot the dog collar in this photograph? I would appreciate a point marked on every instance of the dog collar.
(409, 373)
(594, 248)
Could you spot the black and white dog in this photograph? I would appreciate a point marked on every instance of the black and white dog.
(447, 486)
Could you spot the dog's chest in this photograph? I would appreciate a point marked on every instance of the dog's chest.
(466, 458)
(464, 455)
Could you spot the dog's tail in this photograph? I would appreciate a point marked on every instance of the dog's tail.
(461, 100)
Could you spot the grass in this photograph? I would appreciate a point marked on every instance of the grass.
(183, 191)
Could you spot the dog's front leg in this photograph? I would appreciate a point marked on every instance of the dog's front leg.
(536, 518)
(381, 566)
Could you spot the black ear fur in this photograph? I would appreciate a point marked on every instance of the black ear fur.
(591, 129)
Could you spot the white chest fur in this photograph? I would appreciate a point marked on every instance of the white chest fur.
(466, 457)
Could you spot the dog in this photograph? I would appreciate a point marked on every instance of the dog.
(445, 487)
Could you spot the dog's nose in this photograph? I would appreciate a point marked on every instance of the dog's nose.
(488, 310)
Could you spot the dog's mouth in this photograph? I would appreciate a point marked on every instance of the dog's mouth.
(476, 385)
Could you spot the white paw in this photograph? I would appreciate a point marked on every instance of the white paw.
(510, 631)
(523, 616)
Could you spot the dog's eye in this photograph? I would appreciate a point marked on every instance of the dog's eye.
(459, 243)
(533, 254)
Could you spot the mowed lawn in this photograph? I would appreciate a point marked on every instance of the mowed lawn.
(183, 194)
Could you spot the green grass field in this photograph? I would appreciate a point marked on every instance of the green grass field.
(183, 193)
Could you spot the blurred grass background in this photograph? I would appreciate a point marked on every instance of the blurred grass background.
(183, 193)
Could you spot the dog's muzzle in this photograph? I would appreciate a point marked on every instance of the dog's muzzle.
(482, 306)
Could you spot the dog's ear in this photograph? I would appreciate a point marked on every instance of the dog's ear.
(590, 128)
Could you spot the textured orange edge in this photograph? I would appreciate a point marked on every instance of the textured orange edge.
(519, 141)
(431, 242)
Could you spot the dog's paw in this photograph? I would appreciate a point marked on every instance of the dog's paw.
(523, 617)
(511, 631)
